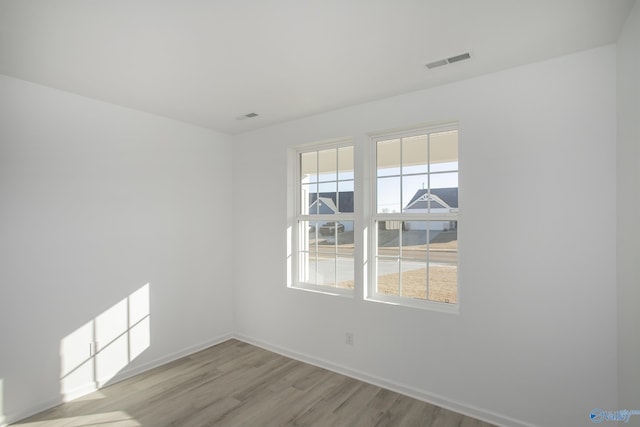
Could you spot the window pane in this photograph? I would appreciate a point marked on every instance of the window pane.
(388, 157)
(327, 187)
(307, 267)
(307, 237)
(414, 279)
(414, 240)
(414, 154)
(388, 276)
(327, 165)
(308, 167)
(444, 167)
(442, 200)
(443, 242)
(318, 262)
(388, 195)
(308, 196)
(326, 203)
(389, 238)
(443, 261)
(443, 151)
(344, 272)
(345, 196)
(326, 270)
(329, 230)
(444, 180)
(443, 283)
(325, 248)
(413, 188)
(344, 239)
(313, 231)
(345, 163)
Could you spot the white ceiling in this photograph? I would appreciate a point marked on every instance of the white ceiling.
(207, 62)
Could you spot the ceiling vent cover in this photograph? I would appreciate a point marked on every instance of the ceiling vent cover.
(247, 116)
(450, 60)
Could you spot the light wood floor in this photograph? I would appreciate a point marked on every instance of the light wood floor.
(237, 384)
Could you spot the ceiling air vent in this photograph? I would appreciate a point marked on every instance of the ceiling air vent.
(450, 60)
(247, 116)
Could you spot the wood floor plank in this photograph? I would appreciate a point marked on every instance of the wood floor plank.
(236, 384)
(300, 402)
(326, 404)
(420, 414)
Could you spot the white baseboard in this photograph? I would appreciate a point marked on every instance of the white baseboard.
(434, 399)
(15, 416)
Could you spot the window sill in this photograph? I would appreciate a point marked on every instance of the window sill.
(415, 303)
(327, 290)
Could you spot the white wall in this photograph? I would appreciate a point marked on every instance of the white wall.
(95, 202)
(535, 341)
(628, 213)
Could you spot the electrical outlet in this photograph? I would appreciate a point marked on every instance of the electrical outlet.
(349, 338)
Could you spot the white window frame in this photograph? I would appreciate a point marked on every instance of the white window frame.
(371, 293)
(297, 216)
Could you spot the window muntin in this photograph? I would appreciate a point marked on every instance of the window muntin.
(415, 217)
(325, 218)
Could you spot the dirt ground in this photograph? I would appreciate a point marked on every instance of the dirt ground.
(442, 278)
(442, 284)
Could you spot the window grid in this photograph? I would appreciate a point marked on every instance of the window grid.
(403, 217)
(413, 199)
(310, 255)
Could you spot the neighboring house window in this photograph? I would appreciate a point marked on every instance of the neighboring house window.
(414, 224)
(324, 218)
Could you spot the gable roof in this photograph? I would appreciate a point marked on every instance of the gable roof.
(344, 201)
(428, 201)
(447, 195)
(441, 198)
(324, 205)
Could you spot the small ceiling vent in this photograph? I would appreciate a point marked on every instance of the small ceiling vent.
(247, 116)
(450, 60)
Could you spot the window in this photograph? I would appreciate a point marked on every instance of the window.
(414, 221)
(324, 218)
(407, 249)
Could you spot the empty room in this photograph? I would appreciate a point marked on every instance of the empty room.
(319, 213)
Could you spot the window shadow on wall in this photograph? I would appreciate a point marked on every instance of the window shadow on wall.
(94, 353)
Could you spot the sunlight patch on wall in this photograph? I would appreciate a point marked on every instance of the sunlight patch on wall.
(365, 260)
(2, 417)
(76, 360)
(95, 352)
(139, 325)
(289, 257)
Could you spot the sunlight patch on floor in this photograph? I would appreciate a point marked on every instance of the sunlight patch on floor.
(112, 419)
